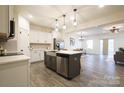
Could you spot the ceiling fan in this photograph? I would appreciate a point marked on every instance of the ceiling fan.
(114, 29)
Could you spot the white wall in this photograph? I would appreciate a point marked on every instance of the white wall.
(118, 41)
(66, 37)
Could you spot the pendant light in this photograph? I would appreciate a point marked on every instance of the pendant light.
(75, 17)
(56, 25)
(64, 25)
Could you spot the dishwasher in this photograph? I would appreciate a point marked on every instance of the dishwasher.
(62, 65)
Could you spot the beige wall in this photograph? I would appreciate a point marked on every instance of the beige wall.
(10, 45)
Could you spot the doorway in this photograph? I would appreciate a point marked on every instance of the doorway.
(101, 47)
(107, 47)
(110, 47)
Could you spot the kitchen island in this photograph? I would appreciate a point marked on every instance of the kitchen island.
(14, 71)
(65, 63)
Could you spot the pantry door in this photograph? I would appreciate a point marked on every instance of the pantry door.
(24, 46)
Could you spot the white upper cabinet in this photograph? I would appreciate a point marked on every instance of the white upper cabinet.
(11, 12)
(49, 38)
(23, 23)
(33, 37)
(40, 37)
(4, 19)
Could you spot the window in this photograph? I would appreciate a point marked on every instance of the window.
(90, 44)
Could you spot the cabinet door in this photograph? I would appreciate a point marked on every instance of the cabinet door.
(4, 19)
(32, 56)
(23, 23)
(62, 66)
(33, 37)
(41, 55)
(49, 38)
(36, 56)
(11, 12)
(23, 36)
(41, 37)
(24, 41)
(53, 63)
(48, 61)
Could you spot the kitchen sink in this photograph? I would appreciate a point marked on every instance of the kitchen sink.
(51, 53)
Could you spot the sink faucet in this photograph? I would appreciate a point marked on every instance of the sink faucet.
(58, 46)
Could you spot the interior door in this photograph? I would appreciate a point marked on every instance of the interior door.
(111, 47)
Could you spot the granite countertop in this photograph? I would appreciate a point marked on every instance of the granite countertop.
(11, 59)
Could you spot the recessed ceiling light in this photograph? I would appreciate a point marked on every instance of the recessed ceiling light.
(30, 16)
(100, 6)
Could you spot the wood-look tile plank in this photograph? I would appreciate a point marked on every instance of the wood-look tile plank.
(96, 71)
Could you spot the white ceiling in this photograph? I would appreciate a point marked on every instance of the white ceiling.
(99, 30)
(45, 15)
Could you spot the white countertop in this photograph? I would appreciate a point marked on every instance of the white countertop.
(69, 52)
(11, 59)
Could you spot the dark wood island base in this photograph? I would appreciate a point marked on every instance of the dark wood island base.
(65, 63)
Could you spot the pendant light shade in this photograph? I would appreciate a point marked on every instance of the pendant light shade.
(56, 25)
(64, 25)
(75, 17)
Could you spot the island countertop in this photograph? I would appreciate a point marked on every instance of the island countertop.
(11, 59)
(68, 52)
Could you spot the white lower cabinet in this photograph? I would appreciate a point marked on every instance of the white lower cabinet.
(37, 55)
(15, 74)
(42, 54)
